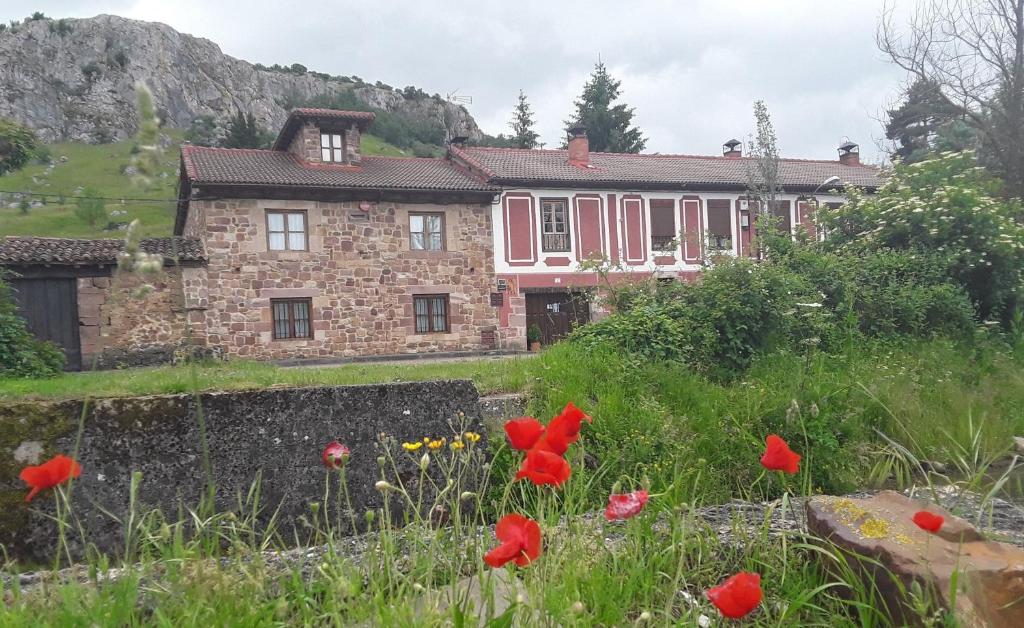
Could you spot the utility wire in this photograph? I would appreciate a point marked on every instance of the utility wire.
(99, 198)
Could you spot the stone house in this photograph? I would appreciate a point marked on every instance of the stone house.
(312, 250)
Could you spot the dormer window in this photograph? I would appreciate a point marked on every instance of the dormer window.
(332, 148)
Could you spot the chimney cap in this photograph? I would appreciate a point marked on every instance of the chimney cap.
(732, 144)
(577, 130)
(848, 147)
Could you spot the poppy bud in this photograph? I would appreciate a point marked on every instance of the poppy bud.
(466, 496)
(577, 607)
(617, 487)
(370, 516)
(335, 455)
(417, 587)
(645, 616)
(380, 461)
(383, 485)
(424, 462)
(314, 507)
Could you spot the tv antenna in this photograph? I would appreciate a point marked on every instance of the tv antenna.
(454, 98)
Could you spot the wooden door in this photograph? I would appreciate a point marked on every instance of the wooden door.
(50, 306)
(556, 313)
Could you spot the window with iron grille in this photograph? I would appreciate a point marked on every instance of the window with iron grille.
(332, 147)
(554, 220)
(426, 232)
(431, 313)
(663, 225)
(286, 230)
(291, 318)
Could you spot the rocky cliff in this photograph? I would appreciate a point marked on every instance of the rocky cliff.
(74, 80)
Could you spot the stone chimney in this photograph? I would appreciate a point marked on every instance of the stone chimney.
(733, 149)
(849, 154)
(579, 146)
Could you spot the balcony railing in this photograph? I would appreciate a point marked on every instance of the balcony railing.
(555, 242)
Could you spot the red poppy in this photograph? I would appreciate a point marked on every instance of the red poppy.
(625, 506)
(928, 521)
(543, 467)
(738, 595)
(54, 471)
(779, 457)
(335, 455)
(563, 430)
(524, 432)
(520, 541)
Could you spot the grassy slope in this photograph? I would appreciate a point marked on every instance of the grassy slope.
(99, 167)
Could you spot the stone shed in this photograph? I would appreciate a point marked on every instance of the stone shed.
(71, 292)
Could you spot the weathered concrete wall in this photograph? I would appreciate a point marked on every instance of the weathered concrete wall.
(279, 432)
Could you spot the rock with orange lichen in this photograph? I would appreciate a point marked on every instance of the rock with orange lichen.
(878, 536)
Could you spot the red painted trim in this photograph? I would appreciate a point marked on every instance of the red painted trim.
(507, 229)
(578, 222)
(632, 257)
(613, 230)
(692, 218)
(805, 217)
(557, 261)
(664, 260)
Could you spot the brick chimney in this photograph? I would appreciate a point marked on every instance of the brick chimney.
(849, 154)
(579, 146)
(733, 149)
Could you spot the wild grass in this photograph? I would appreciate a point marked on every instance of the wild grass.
(491, 376)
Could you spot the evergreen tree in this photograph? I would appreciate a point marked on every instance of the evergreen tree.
(243, 132)
(523, 135)
(926, 122)
(608, 124)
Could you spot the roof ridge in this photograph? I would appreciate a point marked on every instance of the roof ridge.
(509, 149)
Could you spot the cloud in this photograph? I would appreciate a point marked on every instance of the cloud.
(690, 69)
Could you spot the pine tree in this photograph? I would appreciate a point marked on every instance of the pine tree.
(243, 132)
(523, 135)
(926, 122)
(607, 124)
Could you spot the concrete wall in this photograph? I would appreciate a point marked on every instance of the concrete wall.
(279, 432)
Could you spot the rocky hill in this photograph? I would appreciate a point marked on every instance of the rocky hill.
(74, 80)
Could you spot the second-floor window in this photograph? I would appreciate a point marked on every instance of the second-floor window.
(286, 230)
(554, 221)
(426, 232)
(332, 147)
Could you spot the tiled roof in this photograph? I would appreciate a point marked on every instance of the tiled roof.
(278, 168)
(21, 251)
(340, 114)
(525, 167)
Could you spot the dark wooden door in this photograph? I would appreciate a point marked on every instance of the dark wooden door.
(556, 313)
(50, 306)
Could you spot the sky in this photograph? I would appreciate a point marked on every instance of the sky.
(692, 69)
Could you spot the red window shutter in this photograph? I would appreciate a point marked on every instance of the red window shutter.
(692, 220)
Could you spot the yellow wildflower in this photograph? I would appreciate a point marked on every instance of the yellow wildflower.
(472, 437)
(411, 446)
(426, 439)
(457, 444)
(437, 444)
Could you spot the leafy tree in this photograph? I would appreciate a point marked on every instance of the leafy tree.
(973, 52)
(90, 209)
(927, 121)
(35, 17)
(763, 181)
(21, 353)
(946, 207)
(203, 131)
(523, 135)
(607, 123)
(18, 144)
(244, 132)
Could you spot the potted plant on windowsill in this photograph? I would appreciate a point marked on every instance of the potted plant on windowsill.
(533, 337)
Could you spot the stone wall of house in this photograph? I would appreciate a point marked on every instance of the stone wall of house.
(128, 320)
(359, 273)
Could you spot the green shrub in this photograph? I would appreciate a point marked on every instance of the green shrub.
(90, 209)
(18, 144)
(21, 353)
(947, 207)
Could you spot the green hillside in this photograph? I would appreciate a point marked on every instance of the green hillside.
(100, 167)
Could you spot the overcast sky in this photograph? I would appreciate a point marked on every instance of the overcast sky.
(691, 68)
